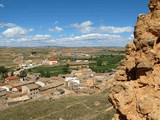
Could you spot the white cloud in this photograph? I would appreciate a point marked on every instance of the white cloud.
(56, 22)
(38, 37)
(56, 29)
(95, 39)
(2, 25)
(112, 29)
(1, 5)
(131, 37)
(106, 29)
(35, 40)
(94, 36)
(86, 27)
(87, 39)
(82, 25)
(16, 31)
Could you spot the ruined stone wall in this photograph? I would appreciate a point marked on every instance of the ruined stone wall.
(136, 94)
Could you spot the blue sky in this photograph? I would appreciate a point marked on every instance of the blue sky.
(68, 22)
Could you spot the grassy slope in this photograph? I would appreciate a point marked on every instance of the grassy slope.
(71, 108)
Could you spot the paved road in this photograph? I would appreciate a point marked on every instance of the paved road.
(29, 67)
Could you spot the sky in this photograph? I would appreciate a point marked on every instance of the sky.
(70, 23)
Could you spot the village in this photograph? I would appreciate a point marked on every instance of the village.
(80, 81)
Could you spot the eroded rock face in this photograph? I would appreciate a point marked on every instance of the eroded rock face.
(136, 94)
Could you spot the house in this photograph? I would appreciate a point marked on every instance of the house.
(23, 65)
(40, 83)
(14, 98)
(100, 76)
(68, 54)
(79, 61)
(51, 88)
(17, 87)
(33, 77)
(86, 61)
(45, 80)
(22, 83)
(54, 78)
(12, 79)
(7, 87)
(77, 72)
(70, 78)
(52, 61)
(55, 84)
(91, 82)
(82, 71)
(73, 84)
(64, 76)
(82, 85)
(32, 90)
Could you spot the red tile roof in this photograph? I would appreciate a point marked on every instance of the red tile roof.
(98, 74)
(19, 88)
(11, 78)
(33, 86)
(53, 59)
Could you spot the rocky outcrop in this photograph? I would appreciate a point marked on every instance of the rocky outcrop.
(136, 94)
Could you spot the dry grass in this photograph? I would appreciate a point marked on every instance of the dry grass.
(71, 108)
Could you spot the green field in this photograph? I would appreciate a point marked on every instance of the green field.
(106, 63)
(48, 71)
(70, 108)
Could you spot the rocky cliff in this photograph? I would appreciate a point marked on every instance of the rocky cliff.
(136, 94)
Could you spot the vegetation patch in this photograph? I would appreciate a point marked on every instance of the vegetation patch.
(106, 63)
(48, 71)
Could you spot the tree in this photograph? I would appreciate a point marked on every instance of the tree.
(33, 53)
(5, 75)
(29, 70)
(99, 62)
(3, 70)
(47, 74)
(23, 74)
(66, 68)
(42, 73)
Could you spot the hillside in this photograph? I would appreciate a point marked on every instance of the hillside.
(94, 107)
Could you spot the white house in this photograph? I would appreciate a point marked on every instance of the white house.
(70, 78)
(73, 84)
(52, 61)
(6, 88)
(40, 83)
